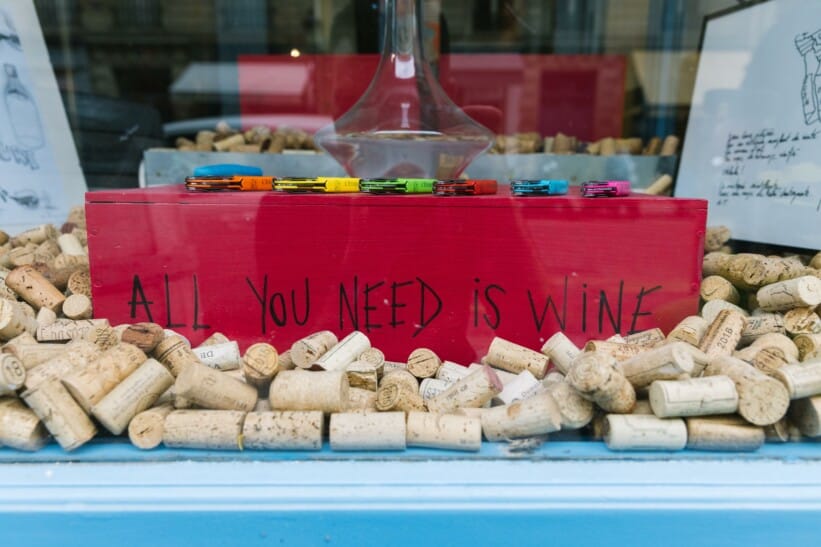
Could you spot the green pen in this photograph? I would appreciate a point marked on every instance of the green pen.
(397, 186)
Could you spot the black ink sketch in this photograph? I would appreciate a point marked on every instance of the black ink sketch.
(25, 198)
(8, 33)
(22, 111)
(809, 47)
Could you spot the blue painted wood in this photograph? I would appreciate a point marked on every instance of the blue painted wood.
(568, 493)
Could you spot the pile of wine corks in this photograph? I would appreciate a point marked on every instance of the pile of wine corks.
(745, 370)
(533, 143)
(258, 139)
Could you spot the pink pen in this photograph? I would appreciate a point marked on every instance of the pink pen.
(605, 188)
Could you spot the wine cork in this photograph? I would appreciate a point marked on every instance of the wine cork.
(446, 431)
(714, 287)
(79, 282)
(451, 372)
(361, 399)
(618, 350)
(423, 363)
(227, 143)
(474, 390)
(694, 397)
(769, 360)
(306, 351)
(103, 336)
(174, 352)
(45, 317)
(762, 400)
(537, 415)
(209, 388)
(77, 306)
(145, 430)
(723, 433)
(136, 393)
(90, 383)
(64, 330)
(70, 245)
(302, 390)
(32, 355)
(34, 288)
(670, 146)
(794, 293)
(667, 362)
(514, 358)
(643, 432)
(400, 377)
(431, 387)
(779, 432)
(204, 429)
(778, 341)
(260, 363)
(807, 344)
(391, 366)
(12, 374)
(759, 325)
(723, 334)
(37, 235)
(714, 263)
(597, 378)
(397, 397)
(284, 361)
(711, 309)
(74, 356)
(805, 414)
(145, 336)
(561, 351)
(801, 380)
(14, 321)
(375, 357)
(66, 262)
(642, 406)
(22, 339)
(219, 356)
(660, 186)
(690, 330)
(648, 338)
(368, 431)
(802, 321)
(20, 428)
(362, 375)
(61, 415)
(525, 385)
(343, 353)
(751, 271)
(283, 430)
(576, 411)
(205, 138)
(715, 237)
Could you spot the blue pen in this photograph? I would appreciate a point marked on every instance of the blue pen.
(227, 170)
(538, 187)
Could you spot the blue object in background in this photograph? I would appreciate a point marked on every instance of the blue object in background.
(227, 169)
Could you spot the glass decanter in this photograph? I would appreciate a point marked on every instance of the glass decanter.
(404, 125)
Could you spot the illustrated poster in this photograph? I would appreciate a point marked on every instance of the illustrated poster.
(753, 140)
(40, 175)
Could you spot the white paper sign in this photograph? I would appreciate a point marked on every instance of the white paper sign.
(40, 175)
(753, 140)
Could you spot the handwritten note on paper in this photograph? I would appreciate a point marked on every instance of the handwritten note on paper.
(753, 140)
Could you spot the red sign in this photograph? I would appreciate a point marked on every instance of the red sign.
(447, 273)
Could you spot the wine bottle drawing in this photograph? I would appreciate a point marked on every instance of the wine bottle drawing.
(22, 111)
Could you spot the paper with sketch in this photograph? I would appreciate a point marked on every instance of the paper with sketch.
(753, 140)
(40, 177)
